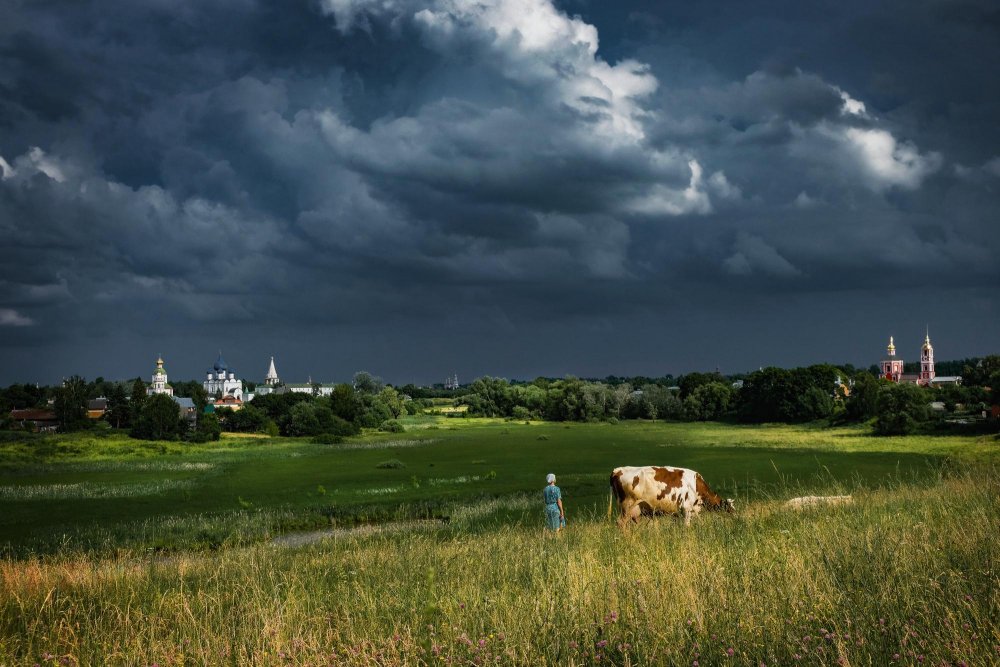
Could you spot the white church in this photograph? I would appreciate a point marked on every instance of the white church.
(223, 383)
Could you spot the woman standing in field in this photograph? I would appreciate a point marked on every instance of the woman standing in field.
(555, 516)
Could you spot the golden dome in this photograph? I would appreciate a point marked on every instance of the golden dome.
(892, 346)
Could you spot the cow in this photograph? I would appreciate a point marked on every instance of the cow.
(654, 490)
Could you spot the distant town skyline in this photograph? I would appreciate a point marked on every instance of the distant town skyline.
(178, 372)
(420, 188)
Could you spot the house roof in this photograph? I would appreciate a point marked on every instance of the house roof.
(33, 414)
(184, 402)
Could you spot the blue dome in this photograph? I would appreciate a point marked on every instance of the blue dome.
(220, 363)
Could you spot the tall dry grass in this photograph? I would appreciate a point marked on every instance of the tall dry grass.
(905, 576)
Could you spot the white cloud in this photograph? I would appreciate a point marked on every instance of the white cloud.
(533, 43)
(6, 171)
(11, 318)
(662, 200)
(851, 106)
(887, 161)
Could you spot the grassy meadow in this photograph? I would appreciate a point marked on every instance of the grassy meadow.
(263, 551)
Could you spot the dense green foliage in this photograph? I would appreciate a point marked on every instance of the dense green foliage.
(159, 419)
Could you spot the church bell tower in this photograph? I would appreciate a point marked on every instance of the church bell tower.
(926, 361)
(892, 368)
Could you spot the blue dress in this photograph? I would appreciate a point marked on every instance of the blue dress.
(551, 494)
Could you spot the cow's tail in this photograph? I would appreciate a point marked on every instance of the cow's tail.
(611, 500)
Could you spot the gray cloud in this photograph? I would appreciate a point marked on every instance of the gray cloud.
(384, 174)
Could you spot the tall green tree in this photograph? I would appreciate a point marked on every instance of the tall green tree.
(366, 383)
(159, 419)
(901, 408)
(708, 401)
(117, 413)
(862, 404)
(71, 404)
(137, 398)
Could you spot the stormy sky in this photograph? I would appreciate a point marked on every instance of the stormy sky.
(508, 187)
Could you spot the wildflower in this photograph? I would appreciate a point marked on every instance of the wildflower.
(895, 656)
(461, 605)
(602, 643)
(573, 645)
(730, 652)
(968, 598)
(694, 663)
(797, 656)
(920, 658)
(482, 643)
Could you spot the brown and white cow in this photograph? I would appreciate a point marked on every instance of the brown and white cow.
(653, 490)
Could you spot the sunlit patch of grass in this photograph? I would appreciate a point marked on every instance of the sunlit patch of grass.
(902, 576)
(90, 490)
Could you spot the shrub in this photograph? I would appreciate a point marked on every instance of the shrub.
(391, 426)
(328, 439)
(391, 464)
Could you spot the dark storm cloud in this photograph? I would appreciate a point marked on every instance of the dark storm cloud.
(376, 175)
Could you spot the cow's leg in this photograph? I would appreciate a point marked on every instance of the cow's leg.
(626, 510)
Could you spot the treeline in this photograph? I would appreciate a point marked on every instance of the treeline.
(348, 409)
(797, 395)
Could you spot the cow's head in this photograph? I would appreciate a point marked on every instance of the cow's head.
(729, 505)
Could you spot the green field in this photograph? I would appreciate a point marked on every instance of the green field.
(259, 551)
(93, 492)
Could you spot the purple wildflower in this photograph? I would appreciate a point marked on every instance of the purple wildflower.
(730, 652)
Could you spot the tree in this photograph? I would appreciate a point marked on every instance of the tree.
(490, 397)
(208, 428)
(688, 383)
(901, 407)
(248, 419)
(366, 383)
(638, 406)
(862, 404)
(71, 404)
(980, 374)
(372, 411)
(344, 402)
(390, 397)
(159, 419)
(137, 399)
(708, 401)
(117, 413)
